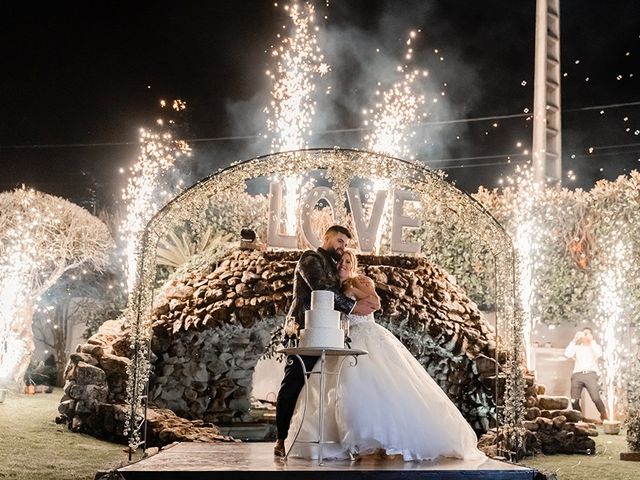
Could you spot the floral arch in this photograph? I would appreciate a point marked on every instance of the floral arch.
(434, 201)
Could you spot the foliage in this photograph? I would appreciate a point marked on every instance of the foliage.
(204, 262)
(42, 237)
(633, 410)
(233, 212)
(62, 236)
(451, 247)
(571, 251)
(198, 245)
(177, 249)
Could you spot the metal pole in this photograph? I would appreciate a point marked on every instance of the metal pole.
(496, 353)
(321, 419)
(306, 401)
(547, 135)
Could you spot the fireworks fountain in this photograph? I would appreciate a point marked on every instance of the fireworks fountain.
(396, 110)
(527, 237)
(612, 324)
(292, 107)
(158, 154)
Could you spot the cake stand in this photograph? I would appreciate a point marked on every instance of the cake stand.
(323, 353)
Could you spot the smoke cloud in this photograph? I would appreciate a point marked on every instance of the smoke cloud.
(363, 51)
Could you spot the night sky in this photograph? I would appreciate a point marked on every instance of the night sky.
(80, 78)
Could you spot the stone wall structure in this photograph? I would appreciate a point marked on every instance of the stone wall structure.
(551, 426)
(210, 329)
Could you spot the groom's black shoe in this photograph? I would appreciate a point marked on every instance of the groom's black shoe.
(278, 448)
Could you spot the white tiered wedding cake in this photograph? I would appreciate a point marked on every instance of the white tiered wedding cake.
(322, 323)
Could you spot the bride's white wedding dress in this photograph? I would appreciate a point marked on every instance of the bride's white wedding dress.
(387, 401)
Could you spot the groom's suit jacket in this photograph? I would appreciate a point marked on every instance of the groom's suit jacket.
(316, 270)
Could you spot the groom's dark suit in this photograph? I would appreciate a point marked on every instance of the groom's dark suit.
(316, 270)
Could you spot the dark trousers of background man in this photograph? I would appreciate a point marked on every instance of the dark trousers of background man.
(588, 380)
(292, 383)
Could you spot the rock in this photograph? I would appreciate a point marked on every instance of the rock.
(76, 424)
(559, 421)
(109, 332)
(149, 452)
(95, 394)
(583, 430)
(173, 395)
(584, 445)
(114, 365)
(249, 277)
(545, 424)
(180, 292)
(532, 413)
(95, 351)
(485, 365)
(66, 406)
(548, 402)
(570, 415)
(244, 290)
(241, 404)
(88, 374)
(530, 402)
(176, 305)
(83, 357)
(161, 309)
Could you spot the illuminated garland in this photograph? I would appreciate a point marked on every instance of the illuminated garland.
(340, 167)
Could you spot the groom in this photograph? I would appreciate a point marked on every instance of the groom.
(316, 270)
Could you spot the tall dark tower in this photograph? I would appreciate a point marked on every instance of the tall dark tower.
(547, 135)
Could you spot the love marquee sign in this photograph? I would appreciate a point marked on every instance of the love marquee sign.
(366, 231)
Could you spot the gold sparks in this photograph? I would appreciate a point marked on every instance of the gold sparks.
(158, 154)
(395, 110)
(299, 60)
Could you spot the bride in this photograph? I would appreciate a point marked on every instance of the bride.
(387, 403)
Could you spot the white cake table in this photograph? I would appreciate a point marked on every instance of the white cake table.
(323, 353)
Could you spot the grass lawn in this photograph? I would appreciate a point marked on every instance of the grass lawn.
(32, 446)
(604, 465)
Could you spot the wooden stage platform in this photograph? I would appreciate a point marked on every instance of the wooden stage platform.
(255, 461)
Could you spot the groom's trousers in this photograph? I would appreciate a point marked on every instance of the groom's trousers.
(290, 388)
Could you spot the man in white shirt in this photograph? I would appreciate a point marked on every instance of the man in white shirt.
(586, 352)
